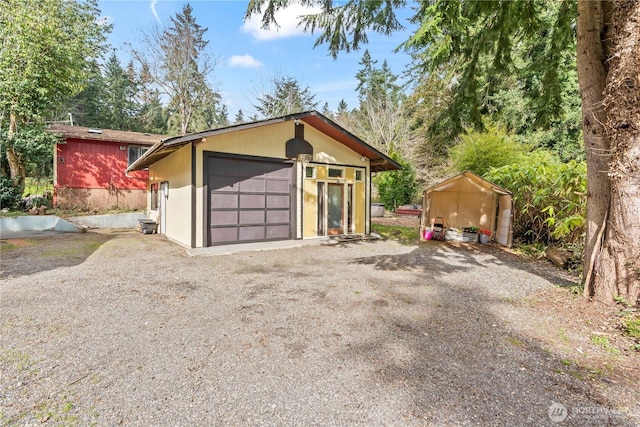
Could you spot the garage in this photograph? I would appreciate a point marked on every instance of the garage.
(299, 176)
(249, 199)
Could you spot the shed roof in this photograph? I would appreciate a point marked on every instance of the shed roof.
(378, 161)
(107, 135)
(469, 179)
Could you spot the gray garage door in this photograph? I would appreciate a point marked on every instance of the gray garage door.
(249, 200)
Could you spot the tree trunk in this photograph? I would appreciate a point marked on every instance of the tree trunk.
(619, 262)
(16, 168)
(608, 62)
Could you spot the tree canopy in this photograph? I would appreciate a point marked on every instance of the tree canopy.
(47, 50)
(286, 96)
(178, 61)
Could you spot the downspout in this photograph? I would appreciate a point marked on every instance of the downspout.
(300, 195)
(194, 204)
(368, 207)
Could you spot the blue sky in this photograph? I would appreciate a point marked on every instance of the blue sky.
(248, 57)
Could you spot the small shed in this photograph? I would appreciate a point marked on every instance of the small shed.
(467, 200)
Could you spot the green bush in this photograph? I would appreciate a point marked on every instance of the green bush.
(10, 193)
(549, 197)
(479, 152)
(397, 188)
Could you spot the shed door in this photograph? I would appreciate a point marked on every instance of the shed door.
(249, 200)
(503, 229)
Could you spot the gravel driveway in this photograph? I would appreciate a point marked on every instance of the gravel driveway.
(364, 333)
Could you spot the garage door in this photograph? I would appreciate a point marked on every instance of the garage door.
(249, 200)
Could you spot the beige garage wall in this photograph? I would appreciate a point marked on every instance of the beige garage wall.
(310, 197)
(327, 150)
(176, 169)
(270, 141)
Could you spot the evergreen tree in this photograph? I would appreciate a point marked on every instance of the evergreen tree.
(119, 107)
(178, 62)
(86, 107)
(343, 108)
(326, 111)
(286, 97)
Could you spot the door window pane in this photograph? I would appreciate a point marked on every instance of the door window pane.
(335, 206)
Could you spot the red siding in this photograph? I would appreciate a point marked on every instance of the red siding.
(96, 164)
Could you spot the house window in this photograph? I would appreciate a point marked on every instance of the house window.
(336, 173)
(310, 172)
(358, 175)
(154, 197)
(135, 152)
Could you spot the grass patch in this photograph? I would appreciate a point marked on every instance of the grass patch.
(61, 413)
(515, 341)
(564, 337)
(603, 341)
(37, 186)
(534, 250)
(6, 246)
(405, 235)
(72, 251)
(21, 361)
(631, 327)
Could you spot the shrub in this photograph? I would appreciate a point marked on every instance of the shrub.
(549, 197)
(10, 193)
(479, 152)
(397, 188)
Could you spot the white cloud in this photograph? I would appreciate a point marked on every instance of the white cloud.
(244, 61)
(287, 20)
(153, 10)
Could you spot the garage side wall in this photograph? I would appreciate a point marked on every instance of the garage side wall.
(176, 170)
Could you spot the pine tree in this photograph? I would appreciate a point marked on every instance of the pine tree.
(286, 97)
(178, 61)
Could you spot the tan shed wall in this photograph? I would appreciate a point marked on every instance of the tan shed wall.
(463, 209)
(466, 201)
(176, 169)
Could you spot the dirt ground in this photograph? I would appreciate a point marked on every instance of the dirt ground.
(116, 327)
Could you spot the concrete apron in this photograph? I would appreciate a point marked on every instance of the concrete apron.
(257, 246)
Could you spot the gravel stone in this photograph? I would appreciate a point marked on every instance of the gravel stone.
(364, 333)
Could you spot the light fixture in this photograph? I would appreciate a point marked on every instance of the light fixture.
(164, 186)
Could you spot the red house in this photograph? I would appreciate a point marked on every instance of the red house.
(89, 168)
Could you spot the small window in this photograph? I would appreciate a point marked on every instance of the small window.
(358, 175)
(154, 197)
(310, 172)
(135, 152)
(335, 173)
